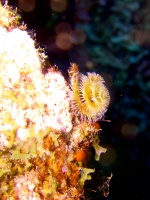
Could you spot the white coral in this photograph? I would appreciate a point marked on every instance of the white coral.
(26, 94)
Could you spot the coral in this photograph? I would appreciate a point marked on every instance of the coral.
(8, 17)
(44, 146)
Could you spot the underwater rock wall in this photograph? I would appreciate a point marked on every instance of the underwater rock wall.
(47, 124)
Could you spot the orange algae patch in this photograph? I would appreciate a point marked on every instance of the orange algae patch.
(82, 156)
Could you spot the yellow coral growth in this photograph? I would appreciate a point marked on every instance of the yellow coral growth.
(8, 17)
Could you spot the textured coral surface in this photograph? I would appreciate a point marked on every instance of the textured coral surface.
(44, 143)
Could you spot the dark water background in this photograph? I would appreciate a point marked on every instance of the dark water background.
(112, 38)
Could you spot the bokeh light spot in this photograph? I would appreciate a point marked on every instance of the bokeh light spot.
(89, 64)
(142, 37)
(27, 5)
(78, 37)
(129, 130)
(63, 41)
(63, 27)
(58, 5)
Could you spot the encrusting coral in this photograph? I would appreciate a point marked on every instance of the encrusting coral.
(43, 143)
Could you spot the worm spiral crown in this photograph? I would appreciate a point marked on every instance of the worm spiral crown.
(90, 96)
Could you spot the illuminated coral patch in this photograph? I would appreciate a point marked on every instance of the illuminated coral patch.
(44, 147)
